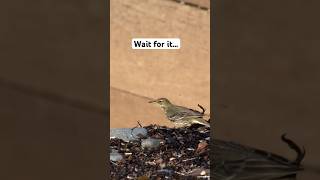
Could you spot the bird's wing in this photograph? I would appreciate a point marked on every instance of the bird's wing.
(233, 161)
(189, 112)
(178, 115)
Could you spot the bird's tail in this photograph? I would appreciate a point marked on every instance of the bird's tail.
(257, 164)
(199, 120)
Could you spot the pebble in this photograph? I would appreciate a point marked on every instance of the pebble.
(115, 156)
(150, 143)
(128, 134)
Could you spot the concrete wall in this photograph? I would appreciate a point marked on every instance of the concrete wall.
(183, 75)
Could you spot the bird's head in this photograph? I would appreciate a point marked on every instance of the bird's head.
(162, 102)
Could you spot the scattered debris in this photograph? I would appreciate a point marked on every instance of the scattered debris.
(202, 147)
(115, 156)
(150, 143)
(166, 154)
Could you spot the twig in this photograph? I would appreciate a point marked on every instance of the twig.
(300, 152)
(203, 110)
(139, 124)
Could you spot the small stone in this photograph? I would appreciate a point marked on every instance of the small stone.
(203, 173)
(202, 147)
(150, 143)
(115, 156)
(127, 134)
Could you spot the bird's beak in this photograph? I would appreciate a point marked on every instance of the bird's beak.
(153, 101)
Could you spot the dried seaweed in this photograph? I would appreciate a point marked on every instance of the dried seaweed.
(183, 153)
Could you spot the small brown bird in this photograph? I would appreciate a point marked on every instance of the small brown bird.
(181, 116)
